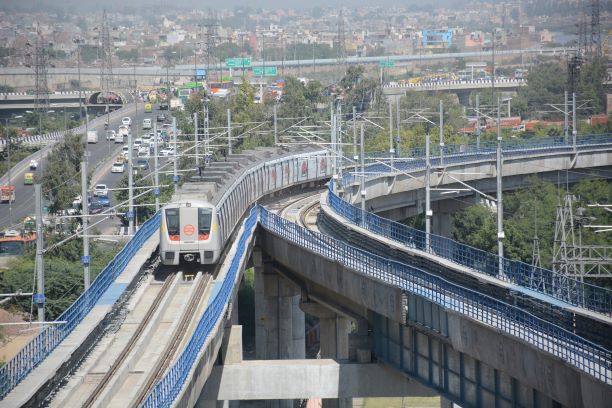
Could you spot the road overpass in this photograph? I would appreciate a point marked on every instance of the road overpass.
(455, 341)
(126, 76)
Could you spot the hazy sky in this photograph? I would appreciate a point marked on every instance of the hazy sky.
(30, 5)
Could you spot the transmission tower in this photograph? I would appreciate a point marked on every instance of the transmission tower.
(211, 39)
(341, 39)
(106, 70)
(564, 245)
(536, 262)
(595, 39)
(41, 60)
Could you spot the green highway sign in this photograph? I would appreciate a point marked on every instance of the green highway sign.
(238, 62)
(386, 63)
(267, 71)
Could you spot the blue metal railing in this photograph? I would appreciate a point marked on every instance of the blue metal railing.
(168, 388)
(34, 353)
(519, 273)
(413, 159)
(542, 334)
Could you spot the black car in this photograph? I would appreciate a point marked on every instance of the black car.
(161, 117)
(141, 164)
(163, 106)
(96, 207)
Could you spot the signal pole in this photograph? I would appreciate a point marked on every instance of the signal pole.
(441, 134)
(363, 190)
(428, 212)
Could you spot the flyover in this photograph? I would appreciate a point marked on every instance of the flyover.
(419, 323)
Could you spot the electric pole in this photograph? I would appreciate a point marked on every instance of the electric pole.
(156, 167)
(85, 231)
(40, 264)
(500, 207)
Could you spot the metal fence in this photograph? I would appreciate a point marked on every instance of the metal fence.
(34, 353)
(414, 159)
(168, 388)
(541, 280)
(546, 336)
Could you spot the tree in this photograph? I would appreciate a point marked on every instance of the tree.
(61, 177)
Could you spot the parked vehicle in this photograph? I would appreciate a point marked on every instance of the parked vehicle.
(92, 136)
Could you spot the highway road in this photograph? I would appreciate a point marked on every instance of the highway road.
(101, 157)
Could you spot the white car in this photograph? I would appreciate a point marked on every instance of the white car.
(136, 144)
(100, 190)
(76, 201)
(127, 121)
(125, 151)
(33, 164)
(110, 135)
(168, 151)
(118, 168)
(146, 124)
(143, 150)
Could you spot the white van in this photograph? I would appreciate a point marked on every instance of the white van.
(92, 136)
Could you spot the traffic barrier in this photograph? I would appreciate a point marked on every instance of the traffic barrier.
(35, 352)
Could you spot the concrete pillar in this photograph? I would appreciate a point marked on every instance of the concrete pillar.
(261, 334)
(442, 218)
(299, 328)
(445, 403)
(360, 343)
(334, 338)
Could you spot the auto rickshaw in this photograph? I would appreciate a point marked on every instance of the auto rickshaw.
(28, 179)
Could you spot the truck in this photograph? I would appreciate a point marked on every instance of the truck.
(92, 136)
(7, 193)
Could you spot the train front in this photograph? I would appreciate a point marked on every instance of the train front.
(189, 232)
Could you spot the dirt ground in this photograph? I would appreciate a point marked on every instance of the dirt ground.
(14, 337)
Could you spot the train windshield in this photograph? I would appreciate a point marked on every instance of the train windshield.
(204, 220)
(172, 221)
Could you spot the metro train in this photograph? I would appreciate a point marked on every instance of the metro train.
(196, 226)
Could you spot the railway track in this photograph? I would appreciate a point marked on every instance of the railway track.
(89, 402)
(178, 335)
(121, 372)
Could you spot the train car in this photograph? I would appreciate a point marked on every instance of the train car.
(190, 232)
(229, 207)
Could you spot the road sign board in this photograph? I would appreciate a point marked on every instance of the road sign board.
(238, 62)
(39, 298)
(265, 71)
(130, 214)
(156, 191)
(386, 63)
(86, 259)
